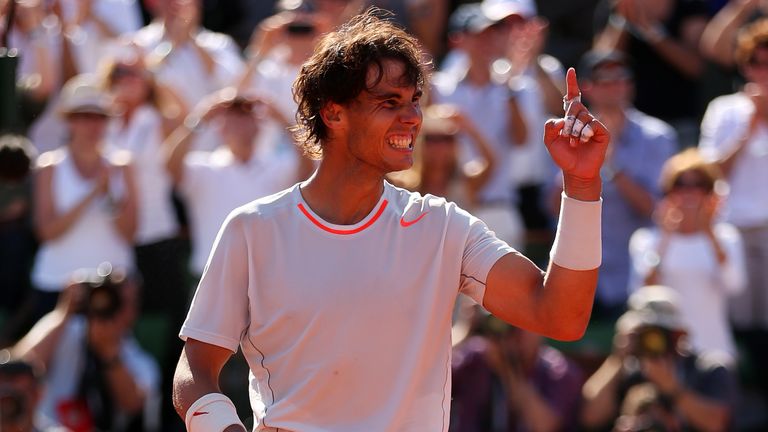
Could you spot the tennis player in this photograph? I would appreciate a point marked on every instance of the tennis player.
(340, 289)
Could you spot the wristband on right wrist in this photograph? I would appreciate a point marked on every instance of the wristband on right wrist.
(578, 242)
(213, 412)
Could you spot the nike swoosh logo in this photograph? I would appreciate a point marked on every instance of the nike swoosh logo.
(197, 413)
(406, 224)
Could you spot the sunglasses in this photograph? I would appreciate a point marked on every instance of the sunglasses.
(683, 184)
(124, 72)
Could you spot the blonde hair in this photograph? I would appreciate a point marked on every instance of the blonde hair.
(686, 161)
(749, 39)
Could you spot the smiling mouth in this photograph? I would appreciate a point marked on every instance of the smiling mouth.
(401, 142)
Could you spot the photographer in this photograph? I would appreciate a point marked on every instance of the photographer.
(693, 391)
(97, 377)
(20, 391)
(505, 379)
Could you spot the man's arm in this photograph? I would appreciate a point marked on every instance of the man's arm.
(558, 303)
(197, 375)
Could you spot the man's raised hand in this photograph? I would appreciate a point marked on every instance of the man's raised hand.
(578, 141)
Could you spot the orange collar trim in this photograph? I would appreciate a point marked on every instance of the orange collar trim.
(320, 225)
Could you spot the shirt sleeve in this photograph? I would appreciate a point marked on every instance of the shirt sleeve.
(481, 251)
(734, 271)
(218, 314)
(719, 132)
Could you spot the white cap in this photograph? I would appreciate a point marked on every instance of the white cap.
(83, 94)
(500, 9)
(656, 305)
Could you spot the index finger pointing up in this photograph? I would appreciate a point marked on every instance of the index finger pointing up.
(572, 84)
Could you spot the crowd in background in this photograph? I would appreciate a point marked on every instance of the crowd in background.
(130, 129)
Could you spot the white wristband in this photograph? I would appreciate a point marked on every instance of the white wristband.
(213, 412)
(578, 242)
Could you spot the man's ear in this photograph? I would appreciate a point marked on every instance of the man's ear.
(332, 115)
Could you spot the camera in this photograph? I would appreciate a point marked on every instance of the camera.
(102, 298)
(653, 341)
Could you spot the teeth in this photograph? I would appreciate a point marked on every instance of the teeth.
(400, 142)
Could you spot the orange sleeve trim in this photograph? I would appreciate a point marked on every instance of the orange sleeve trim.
(320, 225)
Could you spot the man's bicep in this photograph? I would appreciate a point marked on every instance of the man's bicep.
(512, 287)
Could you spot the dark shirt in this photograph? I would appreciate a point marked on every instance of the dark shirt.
(479, 404)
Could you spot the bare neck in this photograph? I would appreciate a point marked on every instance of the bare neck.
(342, 193)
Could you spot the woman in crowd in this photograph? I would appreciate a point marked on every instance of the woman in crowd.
(690, 253)
(84, 202)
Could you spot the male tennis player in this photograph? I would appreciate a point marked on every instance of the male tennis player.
(340, 289)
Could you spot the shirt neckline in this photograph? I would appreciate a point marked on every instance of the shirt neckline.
(336, 229)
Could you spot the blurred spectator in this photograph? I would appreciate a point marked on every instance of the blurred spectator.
(662, 38)
(191, 60)
(735, 137)
(688, 252)
(505, 379)
(639, 147)
(692, 391)
(84, 202)
(20, 393)
(34, 35)
(17, 241)
(186, 57)
(93, 26)
(148, 113)
(97, 377)
(427, 20)
(240, 170)
(437, 169)
(719, 37)
(278, 48)
(493, 107)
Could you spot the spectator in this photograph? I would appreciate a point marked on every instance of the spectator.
(92, 27)
(20, 393)
(734, 135)
(438, 172)
(212, 183)
(193, 61)
(149, 112)
(278, 48)
(688, 252)
(662, 38)
(695, 390)
(505, 379)
(640, 146)
(31, 34)
(84, 202)
(720, 34)
(17, 241)
(493, 108)
(97, 377)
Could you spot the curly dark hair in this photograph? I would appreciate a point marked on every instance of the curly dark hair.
(338, 69)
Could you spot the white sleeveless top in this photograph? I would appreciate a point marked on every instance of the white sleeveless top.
(91, 240)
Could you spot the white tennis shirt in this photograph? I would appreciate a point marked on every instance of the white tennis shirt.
(345, 328)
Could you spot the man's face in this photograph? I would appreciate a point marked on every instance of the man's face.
(756, 70)
(381, 124)
(240, 123)
(609, 87)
